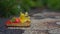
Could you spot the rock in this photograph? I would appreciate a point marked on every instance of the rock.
(55, 31)
(44, 24)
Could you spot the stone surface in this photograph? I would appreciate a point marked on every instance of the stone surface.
(38, 26)
(43, 25)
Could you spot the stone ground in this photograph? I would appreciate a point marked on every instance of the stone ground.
(39, 27)
(40, 24)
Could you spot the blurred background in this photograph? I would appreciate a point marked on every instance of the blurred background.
(10, 8)
(14, 7)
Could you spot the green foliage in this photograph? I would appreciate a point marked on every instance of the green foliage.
(13, 7)
(27, 4)
(9, 8)
(24, 5)
(54, 4)
(36, 3)
(39, 3)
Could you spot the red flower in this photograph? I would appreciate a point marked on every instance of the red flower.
(17, 20)
(8, 22)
